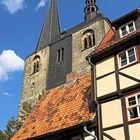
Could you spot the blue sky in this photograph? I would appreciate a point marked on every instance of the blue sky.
(20, 26)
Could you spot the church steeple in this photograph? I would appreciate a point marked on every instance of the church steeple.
(90, 10)
(51, 27)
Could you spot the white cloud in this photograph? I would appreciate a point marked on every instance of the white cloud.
(13, 5)
(41, 4)
(6, 94)
(9, 63)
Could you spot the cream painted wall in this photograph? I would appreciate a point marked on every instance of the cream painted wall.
(112, 113)
(126, 82)
(106, 85)
(117, 134)
(134, 131)
(133, 71)
(105, 66)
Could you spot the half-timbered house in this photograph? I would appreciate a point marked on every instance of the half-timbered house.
(116, 75)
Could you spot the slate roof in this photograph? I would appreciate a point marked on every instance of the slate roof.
(51, 26)
(62, 107)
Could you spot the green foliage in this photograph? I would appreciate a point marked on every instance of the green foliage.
(2, 136)
(13, 124)
(12, 127)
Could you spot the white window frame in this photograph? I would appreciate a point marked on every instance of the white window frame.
(136, 105)
(127, 57)
(127, 28)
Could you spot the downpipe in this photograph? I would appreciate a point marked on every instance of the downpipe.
(93, 135)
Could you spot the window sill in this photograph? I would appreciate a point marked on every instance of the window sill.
(129, 65)
(89, 48)
(134, 120)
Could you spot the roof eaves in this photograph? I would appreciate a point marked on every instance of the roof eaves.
(61, 131)
(114, 44)
(125, 16)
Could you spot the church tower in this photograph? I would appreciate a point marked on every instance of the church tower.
(36, 64)
(59, 55)
(91, 9)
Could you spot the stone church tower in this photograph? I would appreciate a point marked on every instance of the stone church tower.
(59, 54)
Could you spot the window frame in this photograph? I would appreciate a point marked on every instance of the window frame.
(136, 105)
(127, 28)
(127, 57)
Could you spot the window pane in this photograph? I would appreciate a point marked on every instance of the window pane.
(131, 52)
(132, 58)
(123, 59)
(124, 31)
(131, 55)
(133, 113)
(131, 27)
(139, 99)
(132, 101)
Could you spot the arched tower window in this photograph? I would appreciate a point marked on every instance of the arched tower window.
(36, 65)
(88, 39)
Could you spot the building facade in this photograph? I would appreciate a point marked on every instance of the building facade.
(116, 68)
(59, 54)
(77, 104)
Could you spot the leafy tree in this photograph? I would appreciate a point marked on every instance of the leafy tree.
(13, 124)
(2, 135)
(12, 127)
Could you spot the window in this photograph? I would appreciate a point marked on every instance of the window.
(127, 57)
(60, 55)
(126, 29)
(88, 39)
(36, 65)
(133, 106)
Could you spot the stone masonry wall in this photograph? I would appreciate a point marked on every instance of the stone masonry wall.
(34, 84)
(79, 63)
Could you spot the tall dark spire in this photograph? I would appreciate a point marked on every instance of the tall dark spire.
(51, 27)
(90, 10)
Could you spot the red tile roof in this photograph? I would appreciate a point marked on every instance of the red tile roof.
(59, 108)
(109, 42)
(106, 39)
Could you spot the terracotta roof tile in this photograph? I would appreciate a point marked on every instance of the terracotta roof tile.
(59, 108)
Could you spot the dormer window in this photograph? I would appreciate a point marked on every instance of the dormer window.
(127, 28)
(36, 65)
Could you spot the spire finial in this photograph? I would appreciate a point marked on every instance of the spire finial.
(91, 9)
